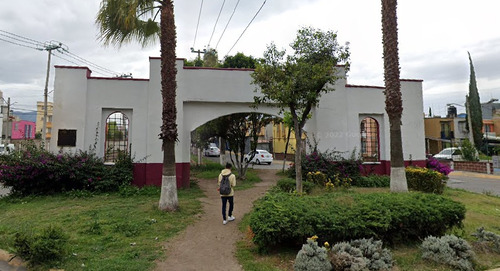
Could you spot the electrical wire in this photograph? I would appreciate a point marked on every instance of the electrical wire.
(197, 24)
(18, 37)
(31, 43)
(78, 64)
(247, 26)
(224, 31)
(216, 21)
(19, 44)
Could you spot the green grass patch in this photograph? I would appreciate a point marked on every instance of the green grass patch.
(482, 210)
(106, 231)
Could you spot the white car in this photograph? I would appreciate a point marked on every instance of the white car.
(211, 151)
(260, 157)
(453, 153)
(6, 149)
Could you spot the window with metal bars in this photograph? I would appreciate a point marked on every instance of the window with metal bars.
(117, 135)
(369, 140)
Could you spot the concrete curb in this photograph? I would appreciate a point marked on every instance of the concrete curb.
(474, 174)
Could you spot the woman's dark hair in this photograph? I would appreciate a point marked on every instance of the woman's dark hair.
(229, 165)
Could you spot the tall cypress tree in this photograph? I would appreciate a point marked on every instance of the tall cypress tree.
(474, 109)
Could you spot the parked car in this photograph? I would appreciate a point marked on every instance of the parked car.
(454, 153)
(6, 149)
(211, 151)
(259, 157)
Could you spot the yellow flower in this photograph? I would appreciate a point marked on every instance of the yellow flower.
(314, 238)
(327, 245)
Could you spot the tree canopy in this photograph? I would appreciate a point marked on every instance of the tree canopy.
(296, 81)
(474, 108)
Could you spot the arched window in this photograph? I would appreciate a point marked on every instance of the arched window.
(117, 131)
(369, 140)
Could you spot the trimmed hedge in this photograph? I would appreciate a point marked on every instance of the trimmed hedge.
(372, 181)
(425, 180)
(289, 185)
(284, 219)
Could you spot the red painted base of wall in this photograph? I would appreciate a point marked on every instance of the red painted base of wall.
(150, 174)
(384, 167)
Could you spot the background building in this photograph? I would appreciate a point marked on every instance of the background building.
(39, 118)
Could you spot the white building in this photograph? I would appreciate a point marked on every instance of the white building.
(119, 113)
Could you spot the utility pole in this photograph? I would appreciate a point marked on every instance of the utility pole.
(49, 47)
(9, 128)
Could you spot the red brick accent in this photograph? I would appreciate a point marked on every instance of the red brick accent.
(150, 174)
(479, 167)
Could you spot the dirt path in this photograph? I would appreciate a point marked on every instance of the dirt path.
(208, 244)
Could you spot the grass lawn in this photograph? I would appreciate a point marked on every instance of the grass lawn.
(106, 231)
(482, 211)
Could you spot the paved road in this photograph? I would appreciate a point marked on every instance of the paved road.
(475, 182)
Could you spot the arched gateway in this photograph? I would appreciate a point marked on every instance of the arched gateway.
(83, 104)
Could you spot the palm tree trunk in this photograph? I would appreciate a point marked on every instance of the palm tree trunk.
(168, 197)
(393, 101)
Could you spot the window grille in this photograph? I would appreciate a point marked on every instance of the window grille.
(117, 134)
(369, 140)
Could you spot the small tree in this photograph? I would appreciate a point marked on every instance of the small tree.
(239, 61)
(296, 83)
(474, 109)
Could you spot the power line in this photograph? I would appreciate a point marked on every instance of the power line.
(79, 64)
(227, 24)
(19, 44)
(247, 26)
(216, 21)
(20, 38)
(89, 63)
(198, 24)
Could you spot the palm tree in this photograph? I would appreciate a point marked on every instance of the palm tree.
(122, 21)
(393, 101)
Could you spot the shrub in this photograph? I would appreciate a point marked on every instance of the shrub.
(489, 238)
(284, 219)
(47, 247)
(469, 152)
(36, 171)
(372, 181)
(434, 164)
(329, 163)
(317, 178)
(450, 250)
(361, 254)
(312, 257)
(425, 180)
(289, 185)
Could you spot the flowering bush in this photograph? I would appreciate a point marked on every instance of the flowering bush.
(425, 180)
(330, 163)
(36, 171)
(434, 164)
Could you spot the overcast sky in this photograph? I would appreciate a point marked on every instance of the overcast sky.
(434, 37)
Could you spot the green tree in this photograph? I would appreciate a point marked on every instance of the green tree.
(210, 58)
(122, 21)
(295, 84)
(239, 60)
(474, 108)
(393, 101)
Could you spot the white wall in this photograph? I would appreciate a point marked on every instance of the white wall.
(203, 94)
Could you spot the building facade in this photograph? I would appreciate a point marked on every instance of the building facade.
(40, 111)
(23, 129)
(350, 119)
